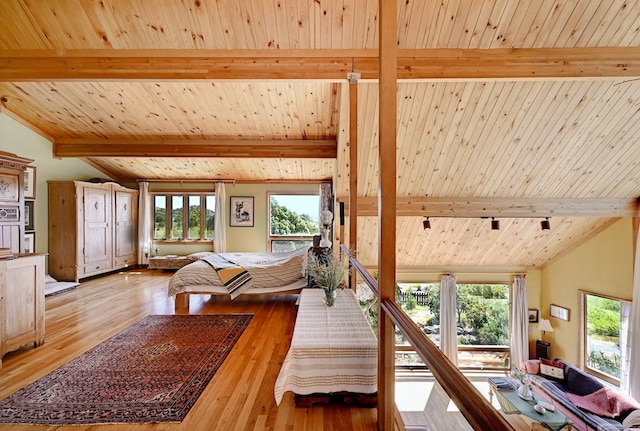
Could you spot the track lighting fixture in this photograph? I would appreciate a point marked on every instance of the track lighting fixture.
(426, 224)
(545, 225)
(495, 224)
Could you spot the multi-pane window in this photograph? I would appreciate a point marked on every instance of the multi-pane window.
(603, 335)
(482, 321)
(183, 216)
(293, 220)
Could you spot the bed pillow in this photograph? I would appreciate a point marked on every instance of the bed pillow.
(200, 254)
(551, 369)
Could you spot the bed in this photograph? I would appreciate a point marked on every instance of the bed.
(239, 273)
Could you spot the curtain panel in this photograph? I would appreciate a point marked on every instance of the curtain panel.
(631, 366)
(220, 220)
(144, 223)
(448, 327)
(519, 321)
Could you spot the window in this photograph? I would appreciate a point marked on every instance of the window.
(482, 312)
(183, 217)
(483, 325)
(603, 322)
(293, 220)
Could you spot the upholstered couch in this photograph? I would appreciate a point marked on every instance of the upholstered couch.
(589, 404)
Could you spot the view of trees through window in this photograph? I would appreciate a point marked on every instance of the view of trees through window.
(482, 312)
(192, 214)
(293, 220)
(602, 344)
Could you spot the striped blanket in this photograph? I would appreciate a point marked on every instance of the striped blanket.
(234, 277)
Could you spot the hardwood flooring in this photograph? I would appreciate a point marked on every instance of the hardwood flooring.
(239, 397)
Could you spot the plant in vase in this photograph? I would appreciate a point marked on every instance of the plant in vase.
(525, 390)
(329, 272)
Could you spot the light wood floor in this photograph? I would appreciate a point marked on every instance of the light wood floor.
(239, 397)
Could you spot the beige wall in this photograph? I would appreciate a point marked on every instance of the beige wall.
(604, 264)
(19, 140)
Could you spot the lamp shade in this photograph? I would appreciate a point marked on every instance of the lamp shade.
(544, 325)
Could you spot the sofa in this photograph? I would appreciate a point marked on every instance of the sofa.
(588, 403)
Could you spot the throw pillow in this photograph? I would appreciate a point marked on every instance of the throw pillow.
(532, 366)
(605, 402)
(633, 420)
(580, 383)
(551, 369)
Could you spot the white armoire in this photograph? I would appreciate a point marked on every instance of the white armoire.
(92, 228)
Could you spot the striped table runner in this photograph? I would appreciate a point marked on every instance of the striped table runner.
(333, 349)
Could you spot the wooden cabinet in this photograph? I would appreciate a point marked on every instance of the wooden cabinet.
(92, 228)
(21, 302)
(12, 214)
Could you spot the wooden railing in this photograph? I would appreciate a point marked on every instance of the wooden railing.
(476, 409)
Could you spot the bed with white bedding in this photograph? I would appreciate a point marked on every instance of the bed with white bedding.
(251, 273)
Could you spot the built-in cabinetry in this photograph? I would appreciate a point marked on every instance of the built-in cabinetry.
(21, 302)
(12, 208)
(92, 228)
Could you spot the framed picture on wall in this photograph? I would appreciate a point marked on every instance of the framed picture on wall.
(559, 312)
(30, 182)
(533, 315)
(29, 215)
(241, 211)
(30, 242)
(9, 187)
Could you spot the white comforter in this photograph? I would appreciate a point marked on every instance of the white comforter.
(269, 271)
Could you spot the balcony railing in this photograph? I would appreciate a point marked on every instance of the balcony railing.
(474, 406)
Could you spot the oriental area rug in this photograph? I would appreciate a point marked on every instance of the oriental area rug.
(153, 371)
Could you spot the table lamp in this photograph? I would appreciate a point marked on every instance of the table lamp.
(545, 326)
(543, 348)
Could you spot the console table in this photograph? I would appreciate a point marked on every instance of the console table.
(510, 403)
(333, 350)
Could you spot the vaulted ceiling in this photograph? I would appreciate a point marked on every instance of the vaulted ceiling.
(513, 109)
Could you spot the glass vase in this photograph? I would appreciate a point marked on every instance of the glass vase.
(329, 297)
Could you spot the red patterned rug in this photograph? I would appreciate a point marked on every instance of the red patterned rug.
(153, 371)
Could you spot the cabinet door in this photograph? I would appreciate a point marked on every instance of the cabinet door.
(126, 232)
(97, 232)
(24, 298)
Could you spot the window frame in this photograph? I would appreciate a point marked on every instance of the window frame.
(405, 351)
(168, 195)
(271, 239)
(583, 337)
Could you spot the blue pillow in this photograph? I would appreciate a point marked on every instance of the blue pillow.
(580, 383)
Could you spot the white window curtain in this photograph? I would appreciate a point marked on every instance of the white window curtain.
(448, 326)
(625, 351)
(145, 218)
(220, 220)
(629, 385)
(519, 321)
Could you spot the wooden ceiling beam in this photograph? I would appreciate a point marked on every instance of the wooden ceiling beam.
(263, 149)
(502, 207)
(135, 65)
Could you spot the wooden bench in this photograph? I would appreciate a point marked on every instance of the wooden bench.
(170, 262)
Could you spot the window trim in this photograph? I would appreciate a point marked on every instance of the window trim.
(505, 349)
(583, 337)
(185, 216)
(274, 238)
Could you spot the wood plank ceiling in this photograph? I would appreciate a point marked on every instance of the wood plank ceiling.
(504, 101)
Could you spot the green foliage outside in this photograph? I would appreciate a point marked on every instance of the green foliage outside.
(482, 311)
(286, 222)
(176, 223)
(603, 329)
